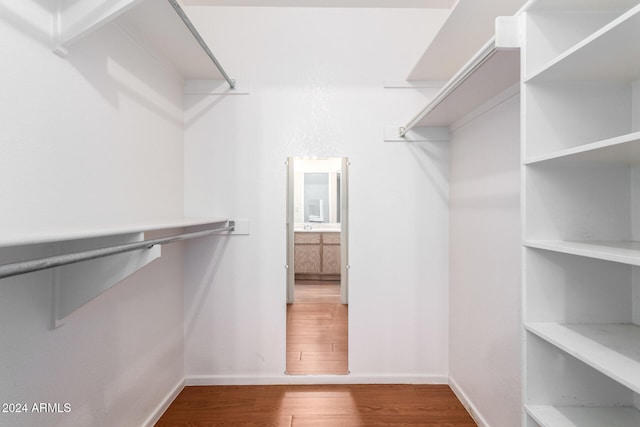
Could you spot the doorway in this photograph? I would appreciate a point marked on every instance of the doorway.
(317, 261)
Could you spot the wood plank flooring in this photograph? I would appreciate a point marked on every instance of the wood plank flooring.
(317, 343)
(317, 330)
(317, 405)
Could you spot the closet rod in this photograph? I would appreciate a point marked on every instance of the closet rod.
(483, 55)
(22, 267)
(201, 42)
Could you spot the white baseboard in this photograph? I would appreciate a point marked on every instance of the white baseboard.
(162, 407)
(468, 404)
(314, 379)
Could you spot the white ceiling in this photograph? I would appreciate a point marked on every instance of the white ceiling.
(418, 4)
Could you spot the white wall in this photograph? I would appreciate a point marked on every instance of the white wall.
(95, 138)
(316, 81)
(485, 265)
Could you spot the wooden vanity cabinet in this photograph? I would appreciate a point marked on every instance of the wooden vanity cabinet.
(317, 255)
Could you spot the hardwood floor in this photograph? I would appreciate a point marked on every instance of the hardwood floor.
(317, 405)
(317, 343)
(317, 330)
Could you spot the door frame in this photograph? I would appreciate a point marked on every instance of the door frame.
(344, 231)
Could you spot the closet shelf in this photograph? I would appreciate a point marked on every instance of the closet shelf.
(617, 61)
(613, 349)
(621, 149)
(491, 71)
(624, 252)
(153, 24)
(572, 5)
(574, 416)
(34, 235)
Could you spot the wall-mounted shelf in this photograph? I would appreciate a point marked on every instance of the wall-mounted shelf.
(35, 235)
(492, 70)
(85, 262)
(153, 22)
(469, 24)
(489, 73)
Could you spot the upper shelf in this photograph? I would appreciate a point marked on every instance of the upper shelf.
(154, 22)
(489, 73)
(469, 24)
(18, 237)
(616, 61)
(495, 68)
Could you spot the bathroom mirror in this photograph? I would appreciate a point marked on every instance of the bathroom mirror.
(317, 193)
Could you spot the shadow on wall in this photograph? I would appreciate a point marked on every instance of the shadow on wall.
(111, 62)
(433, 160)
(200, 273)
(20, 17)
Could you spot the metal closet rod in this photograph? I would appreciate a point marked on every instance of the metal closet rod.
(201, 42)
(23, 267)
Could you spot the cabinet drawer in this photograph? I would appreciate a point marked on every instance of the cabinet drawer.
(307, 238)
(331, 238)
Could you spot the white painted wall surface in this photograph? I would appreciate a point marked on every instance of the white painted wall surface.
(316, 81)
(485, 265)
(92, 139)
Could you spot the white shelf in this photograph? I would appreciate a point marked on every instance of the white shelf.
(454, 101)
(159, 26)
(622, 149)
(468, 26)
(153, 24)
(35, 235)
(614, 46)
(613, 349)
(625, 252)
(576, 5)
(552, 416)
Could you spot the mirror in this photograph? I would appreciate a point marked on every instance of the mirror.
(317, 193)
(317, 231)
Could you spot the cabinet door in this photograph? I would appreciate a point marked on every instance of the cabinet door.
(331, 259)
(307, 259)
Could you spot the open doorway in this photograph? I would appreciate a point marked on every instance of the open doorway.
(317, 259)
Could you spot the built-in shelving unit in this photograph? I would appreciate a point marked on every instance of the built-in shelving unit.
(581, 183)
